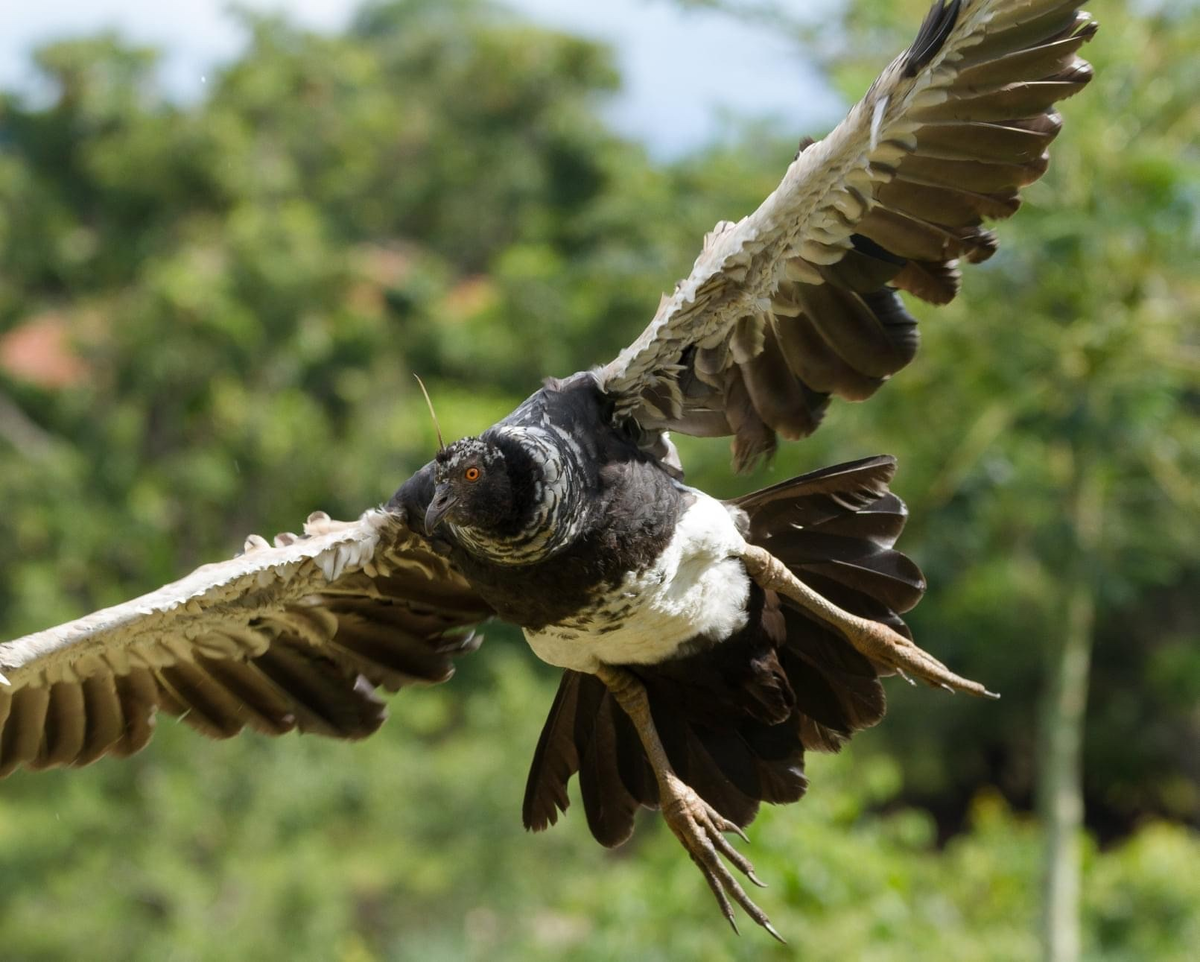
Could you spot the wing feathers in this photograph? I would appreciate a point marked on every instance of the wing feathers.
(778, 398)
(891, 199)
(606, 801)
(104, 719)
(138, 695)
(265, 706)
(1032, 63)
(200, 701)
(326, 699)
(295, 636)
(63, 731)
(23, 728)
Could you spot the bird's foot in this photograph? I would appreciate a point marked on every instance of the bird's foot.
(872, 638)
(908, 659)
(700, 828)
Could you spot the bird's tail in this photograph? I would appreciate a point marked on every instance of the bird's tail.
(737, 717)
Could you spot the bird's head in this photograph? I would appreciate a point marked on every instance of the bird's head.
(473, 488)
(512, 496)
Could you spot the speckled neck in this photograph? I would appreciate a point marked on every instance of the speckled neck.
(559, 507)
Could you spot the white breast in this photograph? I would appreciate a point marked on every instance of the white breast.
(696, 588)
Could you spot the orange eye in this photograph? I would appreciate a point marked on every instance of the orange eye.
(471, 474)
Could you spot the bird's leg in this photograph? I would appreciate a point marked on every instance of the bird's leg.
(696, 824)
(875, 640)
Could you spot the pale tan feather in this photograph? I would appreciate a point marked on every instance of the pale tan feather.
(291, 636)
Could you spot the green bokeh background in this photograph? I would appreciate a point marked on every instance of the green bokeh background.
(226, 301)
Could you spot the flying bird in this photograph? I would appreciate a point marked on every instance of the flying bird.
(706, 645)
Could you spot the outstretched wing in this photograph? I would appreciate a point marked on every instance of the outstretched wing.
(292, 636)
(798, 301)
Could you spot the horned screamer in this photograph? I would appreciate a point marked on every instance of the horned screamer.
(705, 645)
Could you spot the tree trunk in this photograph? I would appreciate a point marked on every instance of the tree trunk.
(1064, 704)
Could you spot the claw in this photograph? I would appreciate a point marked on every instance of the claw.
(737, 829)
(699, 828)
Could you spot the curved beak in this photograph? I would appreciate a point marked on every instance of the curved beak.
(443, 501)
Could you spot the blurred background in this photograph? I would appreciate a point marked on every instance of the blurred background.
(228, 238)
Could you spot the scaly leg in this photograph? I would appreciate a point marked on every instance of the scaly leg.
(877, 641)
(696, 824)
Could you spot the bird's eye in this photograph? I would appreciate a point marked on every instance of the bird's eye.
(472, 473)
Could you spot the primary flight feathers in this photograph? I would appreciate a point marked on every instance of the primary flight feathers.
(797, 301)
(292, 636)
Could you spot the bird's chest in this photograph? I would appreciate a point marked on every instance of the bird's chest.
(693, 592)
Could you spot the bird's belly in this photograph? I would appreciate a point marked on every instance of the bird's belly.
(695, 592)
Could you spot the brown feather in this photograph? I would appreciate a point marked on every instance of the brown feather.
(1057, 22)
(139, 701)
(752, 439)
(23, 729)
(945, 205)
(778, 398)
(327, 699)
(555, 759)
(264, 706)
(874, 343)
(982, 176)
(817, 365)
(1032, 63)
(105, 720)
(1011, 100)
(63, 730)
(937, 283)
(1013, 142)
(208, 707)
(914, 238)
(609, 806)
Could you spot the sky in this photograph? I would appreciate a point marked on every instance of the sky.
(682, 70)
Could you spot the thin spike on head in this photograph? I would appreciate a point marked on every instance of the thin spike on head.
(437, 427)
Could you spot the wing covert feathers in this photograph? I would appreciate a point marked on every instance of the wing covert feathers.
(797, 302)
(295, 636)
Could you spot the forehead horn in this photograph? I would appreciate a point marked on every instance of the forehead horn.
(436, 427)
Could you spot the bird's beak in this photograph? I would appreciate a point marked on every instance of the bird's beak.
(443, 501)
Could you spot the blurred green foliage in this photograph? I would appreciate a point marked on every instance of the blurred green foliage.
(226, 301)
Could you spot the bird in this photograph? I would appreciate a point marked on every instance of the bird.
(706, 645)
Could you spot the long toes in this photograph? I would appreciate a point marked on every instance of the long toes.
(704, 845)
(734, 889)
(912, 659)
(737, 859)
(718, 893)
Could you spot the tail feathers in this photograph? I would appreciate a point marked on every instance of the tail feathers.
(837, 689)
(556, 757)
(736, 718)
(706, 765)
(606, 799)
(836, 493)
(881, 574)
(586, 733)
